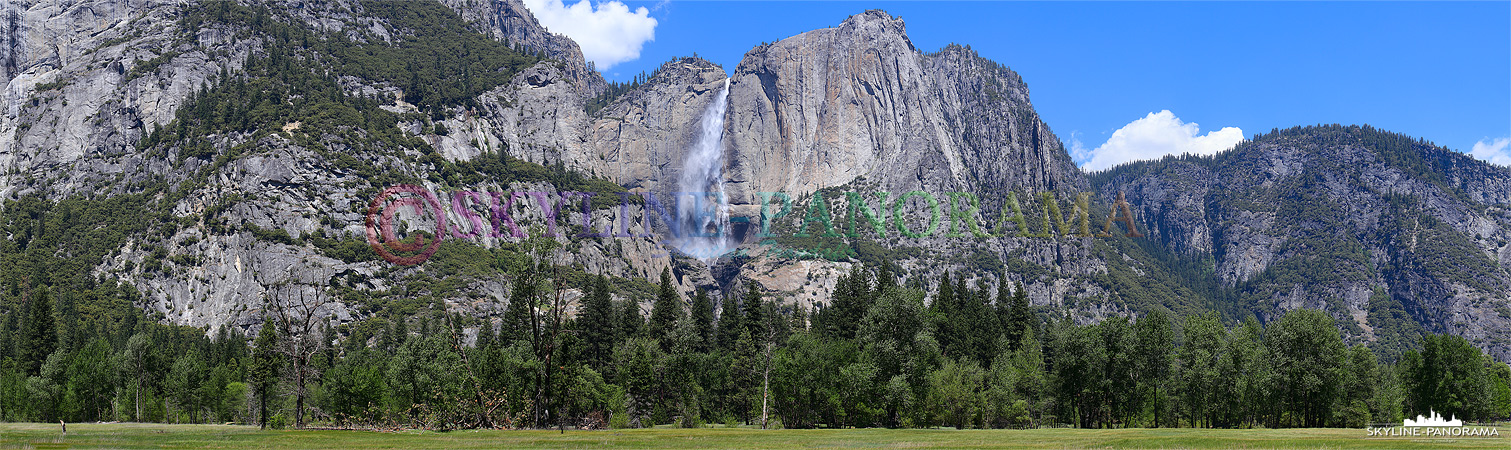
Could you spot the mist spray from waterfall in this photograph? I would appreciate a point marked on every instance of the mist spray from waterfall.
(702, 207)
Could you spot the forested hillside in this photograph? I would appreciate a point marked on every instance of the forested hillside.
(1391, 235)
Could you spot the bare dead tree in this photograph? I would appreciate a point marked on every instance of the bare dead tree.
(547, 323)
(547, 315)
(299, 317)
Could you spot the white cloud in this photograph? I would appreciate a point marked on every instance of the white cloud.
(1153, 136)
(1078, 151)
(609, 34)
(1496, 151)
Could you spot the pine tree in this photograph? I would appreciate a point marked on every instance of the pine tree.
(1020, 320)
(753, 311)
(884, 280)
(596, 320)
(852, 297)
(666, 311)
(266, 364)
(70, 328)
(630, 321)
(703, 321)
(486, 337)
(730, 322)
(799, 319)
(943, 311)
(519, 319)
(984, 330)
(8, 334)
(396, 336)
(39, 335)
(1002, 306)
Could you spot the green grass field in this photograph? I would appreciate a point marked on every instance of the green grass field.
(47, 436)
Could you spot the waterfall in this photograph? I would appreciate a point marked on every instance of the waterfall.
(702, 208)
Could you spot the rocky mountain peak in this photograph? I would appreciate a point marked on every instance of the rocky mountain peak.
(688, 70)
(875, 23)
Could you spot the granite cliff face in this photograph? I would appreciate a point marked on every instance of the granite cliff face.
(84, 81)
(859, 107)
(265, 216)
(1352, 220)
(828, 107)
(643, 137)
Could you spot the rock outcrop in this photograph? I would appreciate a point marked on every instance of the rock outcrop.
(643, 137)
(84, 81)
(859, 101)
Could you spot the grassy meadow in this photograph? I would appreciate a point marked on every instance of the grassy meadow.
(131, 435)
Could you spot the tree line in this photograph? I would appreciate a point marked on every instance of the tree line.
(880, 353)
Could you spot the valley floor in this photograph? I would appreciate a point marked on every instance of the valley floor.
(31, 435)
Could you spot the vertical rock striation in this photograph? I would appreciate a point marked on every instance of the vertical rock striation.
(831, 106)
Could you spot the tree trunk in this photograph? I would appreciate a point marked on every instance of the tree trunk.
(262, 403)
(298, 394)
(766, 386)
(138, 416)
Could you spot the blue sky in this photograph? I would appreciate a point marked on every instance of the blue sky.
(1441, 71)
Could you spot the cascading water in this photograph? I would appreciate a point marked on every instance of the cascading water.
(702, 208)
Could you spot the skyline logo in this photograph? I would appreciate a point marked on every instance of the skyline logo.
(1433, 425)
(1433, 420)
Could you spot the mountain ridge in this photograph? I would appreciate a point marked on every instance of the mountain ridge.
(1254, 211)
